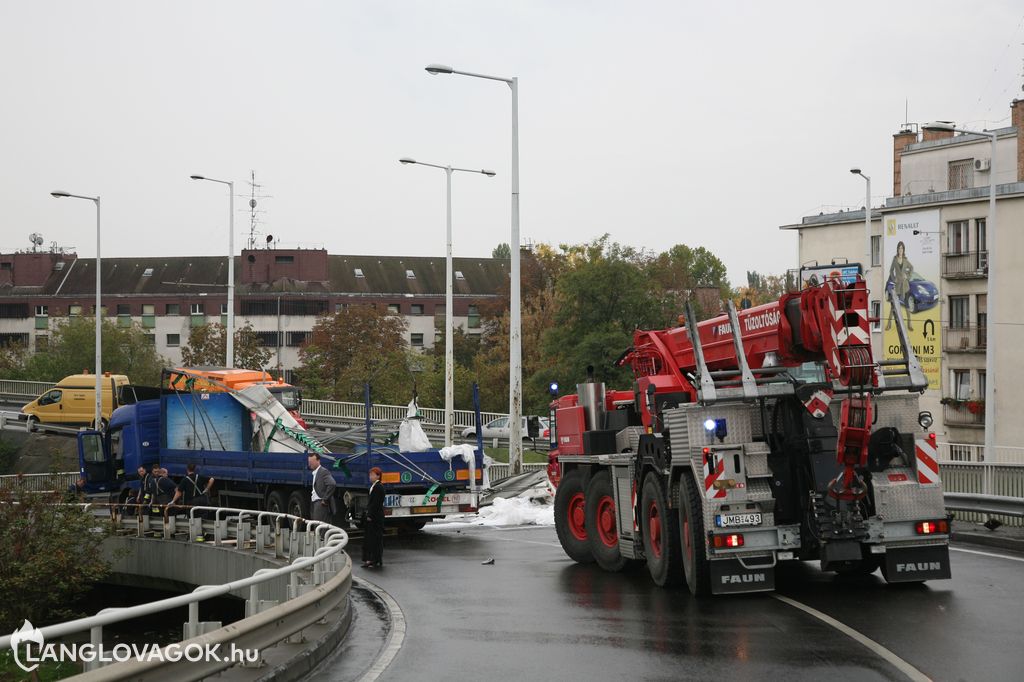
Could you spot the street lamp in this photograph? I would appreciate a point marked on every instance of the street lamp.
(990, 298)
(449, 350)
(229, 359)
(515, 349)
(99, 319)
(867, 219)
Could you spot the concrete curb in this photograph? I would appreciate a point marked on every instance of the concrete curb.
(988, 538)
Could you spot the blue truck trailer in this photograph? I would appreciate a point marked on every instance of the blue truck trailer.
(227, 438)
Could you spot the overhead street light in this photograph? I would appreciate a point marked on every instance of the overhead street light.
(449, 315)
(98, 416)
(867, 219)
(229, 359)
(515, 346)
(990, 298)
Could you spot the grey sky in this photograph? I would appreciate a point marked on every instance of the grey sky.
(659, 122)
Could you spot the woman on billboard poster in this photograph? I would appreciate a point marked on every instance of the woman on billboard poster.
(899, 279)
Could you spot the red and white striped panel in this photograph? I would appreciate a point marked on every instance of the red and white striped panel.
(818, 403)
(927, 465)
(711, 476)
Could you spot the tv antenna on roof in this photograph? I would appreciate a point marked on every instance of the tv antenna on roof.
(37, 241)
(254, 220)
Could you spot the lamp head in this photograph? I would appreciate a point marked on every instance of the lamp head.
(855, 171)
(488, 173)
(434, 69)
(406, 160)
(59, 194)
(197, 177)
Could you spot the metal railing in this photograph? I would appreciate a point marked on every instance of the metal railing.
(965, 413)
(965, 265)
(40, 483)
(975, 452)
(16, 389)
(316, 568)
(320, 409)
(964, 339)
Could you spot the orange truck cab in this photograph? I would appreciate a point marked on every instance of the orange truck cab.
(237, 379)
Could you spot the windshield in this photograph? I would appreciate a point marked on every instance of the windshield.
(809, 372)
(287, 396)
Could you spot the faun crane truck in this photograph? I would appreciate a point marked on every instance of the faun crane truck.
(727, 457)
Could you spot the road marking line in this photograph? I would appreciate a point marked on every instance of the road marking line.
(396, 635)
(901, 665)
(998, 556)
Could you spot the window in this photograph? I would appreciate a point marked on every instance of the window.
(173, 340)
(473, 318)
(151, 339)
(409, 274)
(981, 384)
(459, 275)
(172, 309)
(148, 315)
(416, 340)
(439, 316)
(876, 250)
(284, 306)
(961, 174)
(394, 309)
(981, 305)
(148, 272)
(51, 398)
(296, 338)
(8, 339)
(42, 311)
(14, 311)
(876, 315)
(223, 308)
(103, 310)
(359, 272)
(124, 309)
(6, 265)
(961, 384)
(196, 308)
(959, 312)
(956, 237)
(148, 309)
(58, 266)
(416, 309)
(284, 259)
(74, 310)
(340, 307)
(42, 343)
(267, 339)
(981, 243)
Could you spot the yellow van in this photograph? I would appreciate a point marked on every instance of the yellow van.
(73, 400)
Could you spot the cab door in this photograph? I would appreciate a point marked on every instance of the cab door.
(50, 407)
(94, 462)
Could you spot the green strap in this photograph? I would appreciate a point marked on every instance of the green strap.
(270, 438)
(338, 464)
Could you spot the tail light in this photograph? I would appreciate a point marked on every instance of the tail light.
(932, 527)
(467, 508)
(730, 541)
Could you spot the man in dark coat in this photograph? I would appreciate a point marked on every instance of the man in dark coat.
(373, 541)
(322, 497)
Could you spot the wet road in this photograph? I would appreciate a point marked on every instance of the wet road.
(534, 614)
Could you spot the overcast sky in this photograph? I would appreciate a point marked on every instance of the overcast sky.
(708, 124)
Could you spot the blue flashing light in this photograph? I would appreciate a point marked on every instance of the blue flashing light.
(553, 388)
(709, 424)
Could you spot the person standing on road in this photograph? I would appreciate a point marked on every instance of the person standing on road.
(323, 491)
(373, 541)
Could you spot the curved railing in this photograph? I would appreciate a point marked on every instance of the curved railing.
(317, 570)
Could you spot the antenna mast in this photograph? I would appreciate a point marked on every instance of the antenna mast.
(254, 219)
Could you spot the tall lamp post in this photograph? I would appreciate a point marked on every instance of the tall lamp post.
(867, 220)
(515, 349)
(990, 297)
(98, 417)
(229, 360)
(449, 315)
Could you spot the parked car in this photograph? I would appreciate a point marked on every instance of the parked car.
(499, 428)
(921, 294)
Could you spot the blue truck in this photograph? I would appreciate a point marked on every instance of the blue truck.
(227, 439)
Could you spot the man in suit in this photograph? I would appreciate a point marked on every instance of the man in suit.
(373, 540)
(323, 490)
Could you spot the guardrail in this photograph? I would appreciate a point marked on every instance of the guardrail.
(317, 570)
(985, 504)
(40, 483)
(972, 452)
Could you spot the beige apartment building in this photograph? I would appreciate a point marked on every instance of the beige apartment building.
(931, 239)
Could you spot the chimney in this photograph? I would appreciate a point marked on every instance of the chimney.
(1017, 120)
(899, 142)
(930, 135)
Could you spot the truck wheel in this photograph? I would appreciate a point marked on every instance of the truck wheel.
(298, 504)
(570, 517)
(660, 527)
(694, 545)
(276, 502)
(602, 526)
(862, 567)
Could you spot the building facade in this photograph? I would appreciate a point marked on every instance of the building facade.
(930, 243)
(280, 292)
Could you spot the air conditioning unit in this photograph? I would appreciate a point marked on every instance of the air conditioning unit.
(982, 165)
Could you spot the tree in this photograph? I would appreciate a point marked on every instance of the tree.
(502, 251)
(679, 273)
(208, 345)
(51, 554)
(765, 288)
(356, 345)
(72, 349)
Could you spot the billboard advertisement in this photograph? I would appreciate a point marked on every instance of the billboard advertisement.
(814, 275)
(910, 254)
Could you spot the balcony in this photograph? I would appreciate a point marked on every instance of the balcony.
(969, 413)
(964, 339)
(966, 265)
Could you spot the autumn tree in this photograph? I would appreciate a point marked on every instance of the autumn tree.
(354, 346)
(208, 345)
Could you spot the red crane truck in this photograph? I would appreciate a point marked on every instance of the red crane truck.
(726, 458)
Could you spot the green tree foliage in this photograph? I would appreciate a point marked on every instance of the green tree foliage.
(72, 349)
(51, 554)
(765, 288)
(680, 273)
(356, 345)
(208, 345)
(502, 251)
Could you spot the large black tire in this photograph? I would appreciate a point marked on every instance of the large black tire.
(276, 502)
(298, 504)
(694, 544)
(660, 528)
(570, 517)
(602, 524)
